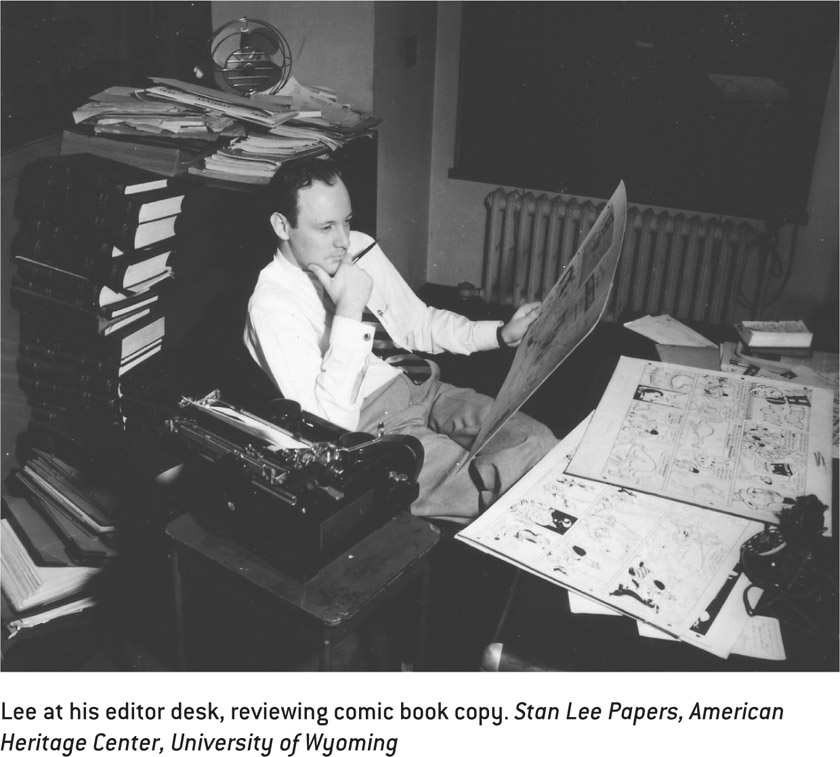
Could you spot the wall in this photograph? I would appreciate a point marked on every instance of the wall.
(404, 67)
(331, 43)
(457, 214)
(815, 276)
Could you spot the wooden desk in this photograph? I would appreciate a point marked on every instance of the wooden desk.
(340, 598)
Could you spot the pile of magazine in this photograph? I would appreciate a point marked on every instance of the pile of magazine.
(176, 126)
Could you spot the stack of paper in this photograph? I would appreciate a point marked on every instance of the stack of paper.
(662, 562)
(267, 129)
(317, 107)
(256, 158)
(74, 506)
(214, 101)
(132, 112)
(28, 585)
(644, 507)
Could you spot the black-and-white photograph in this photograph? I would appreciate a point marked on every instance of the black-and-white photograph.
(307, 308)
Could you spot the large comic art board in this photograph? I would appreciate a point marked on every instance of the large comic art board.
(668, 564)
(739, 444)
(569, 312)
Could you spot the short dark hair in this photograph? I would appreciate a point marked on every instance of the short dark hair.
(300, 174)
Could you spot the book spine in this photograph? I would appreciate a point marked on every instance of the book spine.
(45, 172)
(74, 286)
(38, 327)
(70, 317)
(95, 173)
(50, 186)
(75, 360)
(47, 412)
(74, 208)
(61, 233)
(32, 207)
(91, 258)
(45, 390)
(66, 377)
(57, 293)
(109, 177)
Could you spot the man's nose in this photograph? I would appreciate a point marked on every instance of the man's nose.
(342, 237)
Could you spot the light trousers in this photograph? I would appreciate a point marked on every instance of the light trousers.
(446, 419)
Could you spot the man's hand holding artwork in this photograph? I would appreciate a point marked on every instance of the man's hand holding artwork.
(513, 331)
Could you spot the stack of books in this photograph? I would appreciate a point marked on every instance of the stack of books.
(772, 340)
(37, 591)
(58, 536)
(71, 511)
(79, 510)
(94, 256)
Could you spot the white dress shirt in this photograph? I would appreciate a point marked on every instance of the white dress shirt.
(324, 361)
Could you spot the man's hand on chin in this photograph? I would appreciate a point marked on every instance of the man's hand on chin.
(349, 288)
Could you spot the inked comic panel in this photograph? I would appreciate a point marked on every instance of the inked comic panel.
(820, 370)
(666, 563)
(733, 443)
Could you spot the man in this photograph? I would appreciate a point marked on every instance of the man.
(306, 330)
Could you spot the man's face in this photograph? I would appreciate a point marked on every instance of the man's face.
(322, 235)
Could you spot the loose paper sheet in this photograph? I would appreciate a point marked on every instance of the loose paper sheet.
(761, 637)
(672, 565)
(739, 444)
(663, 329)
(569, 312)
(261, 429)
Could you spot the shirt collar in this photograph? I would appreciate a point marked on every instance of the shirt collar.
(289, 271)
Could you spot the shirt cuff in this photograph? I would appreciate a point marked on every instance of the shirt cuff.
(347, 331)
(484, 334)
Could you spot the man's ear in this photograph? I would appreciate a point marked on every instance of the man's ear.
(280, 225)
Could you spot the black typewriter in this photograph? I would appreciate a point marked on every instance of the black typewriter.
(291, 487)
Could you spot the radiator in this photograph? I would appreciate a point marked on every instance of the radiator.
(685, 265)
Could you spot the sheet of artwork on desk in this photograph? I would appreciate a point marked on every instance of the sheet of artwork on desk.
(740, 444)
(819, 370)
(569, 312)
(669, 564)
